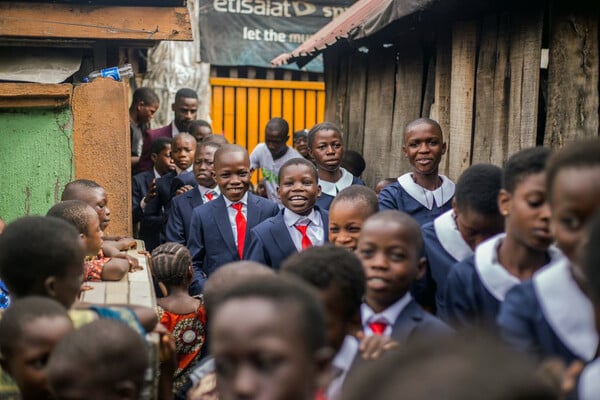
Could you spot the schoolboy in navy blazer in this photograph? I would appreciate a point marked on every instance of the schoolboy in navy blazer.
(277, 238)
(211, 239)
(205, 189)
(186, 178)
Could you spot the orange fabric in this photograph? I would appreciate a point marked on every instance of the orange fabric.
(94, 266)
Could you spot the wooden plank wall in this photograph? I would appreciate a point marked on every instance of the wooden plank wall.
(485, 80)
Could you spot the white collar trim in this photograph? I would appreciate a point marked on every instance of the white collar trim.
(567, 309)
(333, 188)
(496, 279)
(449, 236)
(291, 218)
(589, 383)
(428, 198)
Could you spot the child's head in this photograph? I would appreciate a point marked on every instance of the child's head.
(298, 185)
(383, 183)
(104, 359)
(200, 129)
(326, 146)
(276, 136)
(172, 265)
(390, 248)
(42, 256)
(84, 218)
(300, 142)
(354, 162)
(144, 104)
(340, 281)
(183, 148)
(522, 200)
(204, 164)
(92, 193)
(185, 108)
(573, 187)
(347, 213)
(424, 146)
(160, 153)
(216, 138)
(29, 330)
(232, 171)
(475, 203)
(268, 341)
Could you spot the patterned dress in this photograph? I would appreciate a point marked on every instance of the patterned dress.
(190, 334)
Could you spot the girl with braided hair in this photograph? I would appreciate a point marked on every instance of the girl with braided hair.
(183, 315)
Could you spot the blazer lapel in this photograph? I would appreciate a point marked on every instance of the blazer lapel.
(281, 235)
(325, 219)
(407, 321)
(222, 222)
(194, 197)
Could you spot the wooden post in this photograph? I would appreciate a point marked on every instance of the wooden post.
(491, 100)
(440, 110)
(462, 88)
(572, 78)
(356, 99)
(524, 58)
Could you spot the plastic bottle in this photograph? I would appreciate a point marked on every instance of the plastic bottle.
(117, 73)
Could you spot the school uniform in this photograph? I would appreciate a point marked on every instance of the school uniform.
(588, 386)
(444, 246)
(181, 180)
(421, 204)
(168, 131)
(180, 212)
(213, 239)
(344, 360)
(549, 315)
(150, 216)
(275, 239)
(330, 189)
(404, 320)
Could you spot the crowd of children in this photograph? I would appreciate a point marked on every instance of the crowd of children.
(319, 287)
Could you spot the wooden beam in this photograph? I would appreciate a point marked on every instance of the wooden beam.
(23, 95)
(20, 19)
(440, 109)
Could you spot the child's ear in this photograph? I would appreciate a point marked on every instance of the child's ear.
(404, 151)
(454, 207)
(421, 267)
(318, 190)
(444, 148)
(153, 157)
(126, 390)
(190, 273)
(50, 286)
(504, 199)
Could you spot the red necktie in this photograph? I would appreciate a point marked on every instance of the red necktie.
(305, 239)
(378, 327)
(209, 195)
(240, 223)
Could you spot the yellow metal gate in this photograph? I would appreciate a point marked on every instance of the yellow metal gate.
(241, 108)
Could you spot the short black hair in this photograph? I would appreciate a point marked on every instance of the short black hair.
(323, 126)
(145, 95)
(358, 194)
(581, 154)
(428, 121)
(327, 266)
(591, 259)
(75, 212)
(187, 93)
(171, 263)
(200, 123)
(278, 124)
(23, 311)
(183, 136)
(354, 162)
(522, 164)
(159, 145)
(298, 161)
(71, 189)
(35, 248)
(300, 133)
(456, 368)
(284, 292)
(229, 148)
(404, 220)
(477, 189)
(118, 354)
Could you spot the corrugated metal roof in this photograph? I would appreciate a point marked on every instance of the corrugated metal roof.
(362, 19)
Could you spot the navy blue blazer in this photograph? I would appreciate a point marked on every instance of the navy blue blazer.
(211, 242)
(414, 323)
(186, 178)
(180, 215)
(158, 207)
(394, 197)
(324, 201)
(271, 243)
(140, 185)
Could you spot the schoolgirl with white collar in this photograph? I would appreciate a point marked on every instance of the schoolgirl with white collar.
(552, 315)
(477, 286)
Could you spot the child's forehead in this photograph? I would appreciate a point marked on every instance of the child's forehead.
(231, 157)
(45, 327)
(296, 169)
(327, 132)
(182, 141)
(373, 226)
(422, 127)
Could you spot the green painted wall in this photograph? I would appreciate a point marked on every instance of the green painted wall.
(36, 159)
